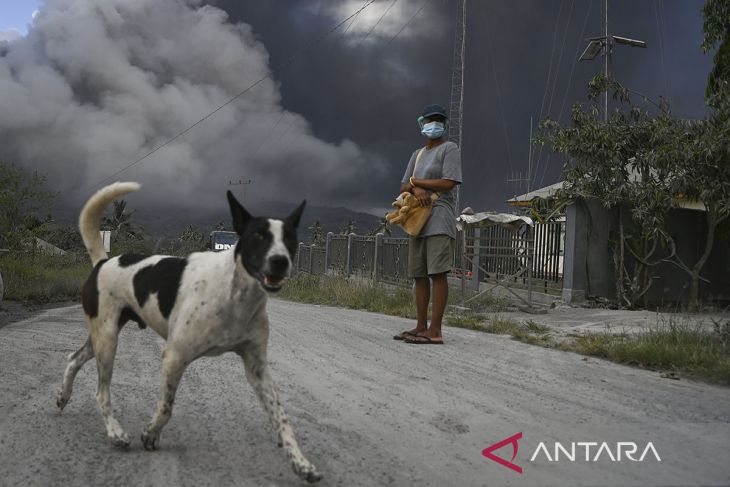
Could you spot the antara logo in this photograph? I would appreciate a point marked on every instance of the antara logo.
(592, 451)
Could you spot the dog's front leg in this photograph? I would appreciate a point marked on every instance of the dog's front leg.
(173, 366)
(257, 373)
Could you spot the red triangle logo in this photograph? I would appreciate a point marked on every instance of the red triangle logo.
(487, 452)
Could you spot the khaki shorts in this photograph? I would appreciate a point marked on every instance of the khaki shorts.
(429, 255)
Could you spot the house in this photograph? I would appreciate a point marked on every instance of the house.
(591, 230)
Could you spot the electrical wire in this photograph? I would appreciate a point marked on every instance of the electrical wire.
(660, 33)
(547, 81)
(405, 25)
(570, 78)
(499, 91)
(575, 59)
(236, 96)
(359, 44)
(376, 24)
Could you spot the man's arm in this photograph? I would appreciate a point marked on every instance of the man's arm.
(433, 184)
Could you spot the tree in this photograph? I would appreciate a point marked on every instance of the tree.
(703, 174)
(643, 162)
(191, 234)
(382, 227)
(348, 227)
(23, 200)
(716, 25)
(316, 233)
(66, 237)
(120, 222)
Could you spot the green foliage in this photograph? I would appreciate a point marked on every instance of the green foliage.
(316, 233)
(643, 163)
(382, 227)
(339, 291)
(191, 234)
(685, 349)
(37, 277)
(66, 237)
(348, 227)
(716, 26)
(22, 204)
(119, 222)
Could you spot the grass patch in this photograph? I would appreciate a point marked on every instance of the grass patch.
(467, 320)
(688, 350)
(485, 303)
(528, 332)
(36, 277)
(339, 291)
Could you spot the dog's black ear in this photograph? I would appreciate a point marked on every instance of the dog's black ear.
(293, 219)
(240, 216)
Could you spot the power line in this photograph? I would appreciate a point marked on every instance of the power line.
(236, 96)
(555, 83)
(376, 24)
(660, 33)
(575, 59)
(406, 24)
(499, 92)
(268, 135)
(286, 131)
(550, 71)
(570, 81)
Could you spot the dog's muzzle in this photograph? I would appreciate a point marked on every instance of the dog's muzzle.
(275, 273)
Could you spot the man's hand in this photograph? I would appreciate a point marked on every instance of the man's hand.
(422, 195)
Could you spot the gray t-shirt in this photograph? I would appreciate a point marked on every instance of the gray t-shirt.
(441, 162)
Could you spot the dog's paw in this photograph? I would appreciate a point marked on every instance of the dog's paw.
(307, 472)
(150, 440)
(61, 402)
(120, 440)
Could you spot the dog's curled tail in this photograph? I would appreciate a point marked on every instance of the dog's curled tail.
(90, 218)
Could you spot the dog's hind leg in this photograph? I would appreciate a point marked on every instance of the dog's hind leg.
(104, 341)
(75, 361)
(173, 366)
(257, 373)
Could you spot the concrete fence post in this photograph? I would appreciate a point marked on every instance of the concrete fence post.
(299, 257)
(475, 271)
(311, 256)
(327, 251)
(348, 266)
(376, 255)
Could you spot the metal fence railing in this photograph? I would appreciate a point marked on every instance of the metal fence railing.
(488, 253)
(375, 257)
(530, 252)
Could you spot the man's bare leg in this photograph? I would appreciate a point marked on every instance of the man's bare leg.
(438, 306)
(423, 295)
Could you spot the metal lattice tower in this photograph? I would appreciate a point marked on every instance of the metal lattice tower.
(457, 75)
(456, 107)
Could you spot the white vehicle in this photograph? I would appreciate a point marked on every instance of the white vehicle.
(222, 240)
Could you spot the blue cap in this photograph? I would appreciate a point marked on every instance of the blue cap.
(430, 110)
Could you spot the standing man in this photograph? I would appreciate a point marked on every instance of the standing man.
(435, 168)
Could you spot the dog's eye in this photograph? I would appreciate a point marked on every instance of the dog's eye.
(258, 236)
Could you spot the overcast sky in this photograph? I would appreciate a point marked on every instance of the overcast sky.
(93, 85)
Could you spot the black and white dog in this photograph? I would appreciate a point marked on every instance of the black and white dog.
(203, 305)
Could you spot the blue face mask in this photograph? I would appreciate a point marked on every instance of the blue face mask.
(433, 130)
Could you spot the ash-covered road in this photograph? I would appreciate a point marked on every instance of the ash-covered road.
(367, 410)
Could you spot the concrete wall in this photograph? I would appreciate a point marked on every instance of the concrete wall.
(589, 268)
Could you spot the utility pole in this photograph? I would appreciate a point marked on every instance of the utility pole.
(240, 183)
(607, 56)
(605, 44)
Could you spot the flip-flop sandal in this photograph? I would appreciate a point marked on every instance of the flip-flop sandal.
(403, 335)
(423, 340)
